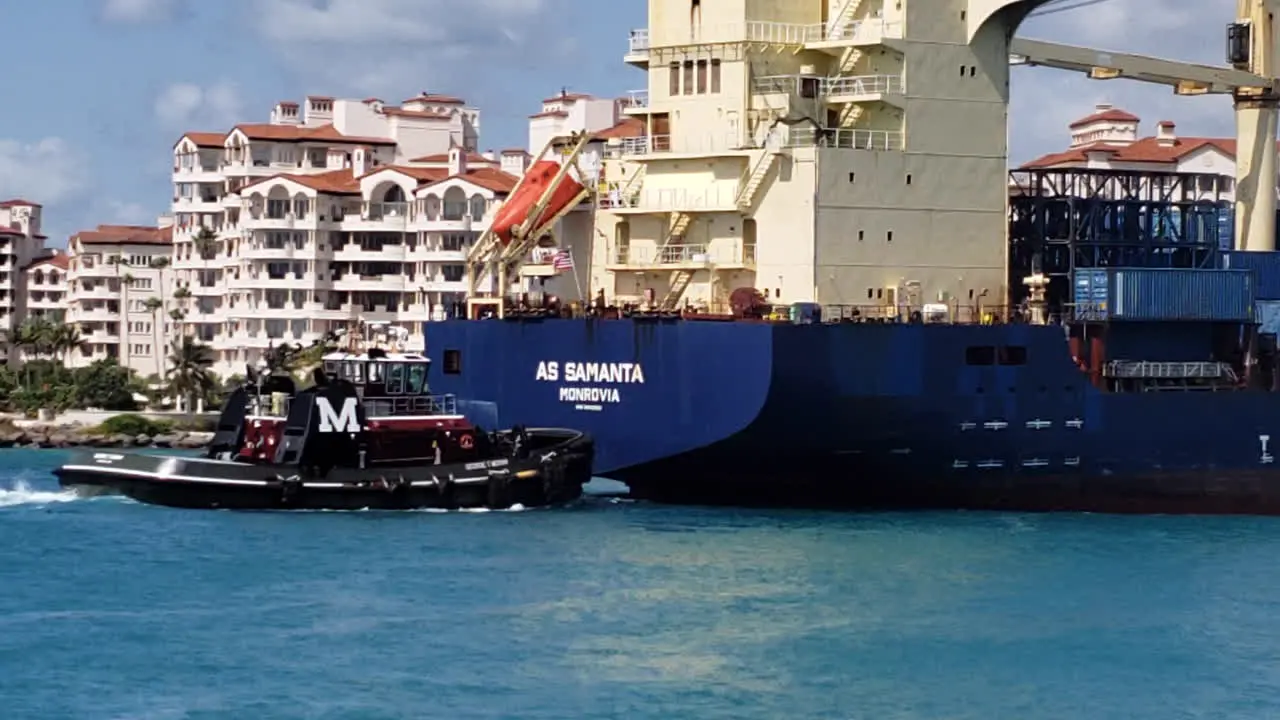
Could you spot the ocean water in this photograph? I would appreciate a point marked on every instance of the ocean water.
(110, 610)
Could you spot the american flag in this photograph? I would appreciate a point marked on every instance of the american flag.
(562, 260)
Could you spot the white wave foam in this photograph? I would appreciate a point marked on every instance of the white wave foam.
(22, 494)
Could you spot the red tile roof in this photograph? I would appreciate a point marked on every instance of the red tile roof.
(300, 133)
(333, 182)
(569, 97)
(424, 176)
(628, 127)
(1144, 150)
(18, 202)
(472, 157)
(486, 177)
(1109, 115)
(204, 139)
(426, 97)
(125, 235)
(10, 232)
(59, 260)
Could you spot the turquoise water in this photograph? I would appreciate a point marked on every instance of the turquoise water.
(112, 610)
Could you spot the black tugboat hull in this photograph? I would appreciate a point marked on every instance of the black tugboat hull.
(552, 474)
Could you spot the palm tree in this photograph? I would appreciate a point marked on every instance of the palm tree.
(154, 305)
(206, 243)
(178, 314)
(66, 340)
(189, 374)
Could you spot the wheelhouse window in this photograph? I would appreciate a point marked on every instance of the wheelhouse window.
(453, 362)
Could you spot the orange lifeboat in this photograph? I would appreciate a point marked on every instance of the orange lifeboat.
(517, 207)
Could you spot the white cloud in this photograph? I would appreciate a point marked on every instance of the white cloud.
(1044, 101)
(140, 11)
(379, 46)
(47, 171)
(187, 106)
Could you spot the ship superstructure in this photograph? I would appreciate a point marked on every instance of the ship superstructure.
(803, 149)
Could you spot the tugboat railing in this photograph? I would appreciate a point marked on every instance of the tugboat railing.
(375, 407)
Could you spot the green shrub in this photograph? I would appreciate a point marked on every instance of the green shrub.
(198, 424)
(130, 424)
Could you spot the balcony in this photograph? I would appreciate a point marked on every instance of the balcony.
(448, 222)
(352, 282)
(717, 198)
(257, 251)
(683, 257)
(256, 221)
(355, 252)
(375, 217)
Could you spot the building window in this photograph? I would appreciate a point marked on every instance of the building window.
(688, 77)
(715, 76)
(675, 79)
(702, 77)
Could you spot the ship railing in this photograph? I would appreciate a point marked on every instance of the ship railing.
(869, 30)
(268, 406)
(844, 138)
(393, 406)
(1169, 370)
(693, 144)
(862, 85)
(955, 314)
(638, 42)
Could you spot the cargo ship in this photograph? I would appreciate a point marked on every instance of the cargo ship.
(814, 281)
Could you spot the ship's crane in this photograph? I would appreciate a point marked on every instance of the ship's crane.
(1251, 81)
(502, 248)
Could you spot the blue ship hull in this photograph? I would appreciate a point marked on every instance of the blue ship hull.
(861, 415)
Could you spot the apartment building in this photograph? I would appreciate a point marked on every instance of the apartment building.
(1109, 138)
(334, 211)
(46, 286)
(122, 294)
(21, 242)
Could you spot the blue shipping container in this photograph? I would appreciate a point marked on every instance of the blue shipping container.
(1268, 316)
(1090, 294)
(1266, 265)
(1181, 294)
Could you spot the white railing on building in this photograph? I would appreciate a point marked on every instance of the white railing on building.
(636, 99)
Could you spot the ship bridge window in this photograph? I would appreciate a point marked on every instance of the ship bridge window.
(980, 355)
(453, 362)
(417, 378)
(1013, 355)
(395, 379)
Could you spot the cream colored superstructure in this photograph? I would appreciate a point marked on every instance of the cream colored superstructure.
(839, 152)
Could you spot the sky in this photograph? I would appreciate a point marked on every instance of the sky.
(96, 92)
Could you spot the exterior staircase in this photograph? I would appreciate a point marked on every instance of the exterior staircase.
(754, 180)
(679, 225)
(850, 114)
(680, 280)
(839, 25)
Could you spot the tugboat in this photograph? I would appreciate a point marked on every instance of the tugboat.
(368, 434)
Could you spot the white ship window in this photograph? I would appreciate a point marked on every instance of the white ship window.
(674, 89)
(715, 76)
(688, 77)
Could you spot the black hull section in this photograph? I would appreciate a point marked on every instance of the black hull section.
(552, 474)
(693, 480)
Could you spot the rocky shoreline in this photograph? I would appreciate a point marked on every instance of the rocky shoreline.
(73, 437)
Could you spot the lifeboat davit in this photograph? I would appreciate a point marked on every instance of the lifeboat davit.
(517, 207)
